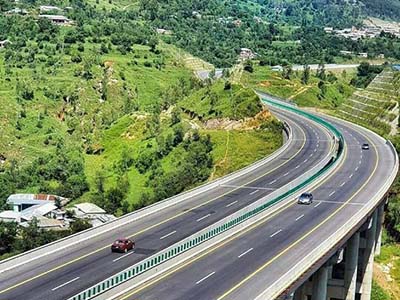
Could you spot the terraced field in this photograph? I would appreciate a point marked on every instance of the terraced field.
(376, 107)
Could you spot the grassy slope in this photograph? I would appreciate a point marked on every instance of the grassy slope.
(126, 131)
(264, 79)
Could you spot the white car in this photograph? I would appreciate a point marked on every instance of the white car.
(305, 198)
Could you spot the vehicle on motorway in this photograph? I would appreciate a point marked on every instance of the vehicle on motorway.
(122, 245)
(305, 198)
(365, 146)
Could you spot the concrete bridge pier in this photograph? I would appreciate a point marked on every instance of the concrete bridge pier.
(351, 267)
(347, 275)
(368, 259)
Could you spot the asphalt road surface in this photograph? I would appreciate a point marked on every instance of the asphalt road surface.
(245, 265)
(63, 274)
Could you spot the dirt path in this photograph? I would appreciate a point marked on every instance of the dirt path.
(223, 161)
(300, 91)
(383, 278)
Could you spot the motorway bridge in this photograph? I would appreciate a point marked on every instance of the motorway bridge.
(239, 237)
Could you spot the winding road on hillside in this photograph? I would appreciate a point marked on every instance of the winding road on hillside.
(247, 264)
(68, 271)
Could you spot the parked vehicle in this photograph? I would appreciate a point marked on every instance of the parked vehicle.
(122, 245)
(365, 146)
(305, 198)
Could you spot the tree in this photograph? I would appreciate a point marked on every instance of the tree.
(321, 71)
(80, 225)
(175, 116)
(306, 74)
(248, 66)
(8, 236)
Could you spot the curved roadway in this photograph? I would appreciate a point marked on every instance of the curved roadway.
(69, 271)
(250, 262)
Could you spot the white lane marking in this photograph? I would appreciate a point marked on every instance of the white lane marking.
(312, 154)
(167, 235)
(202, 218)
(274, 234)
(359, 162)
(246, 187)
(256, 191)
(273, 181)
(245, 252)
(299, 217)
(306, 160)
(232, 203)
(338, 202)
(123, 256)
(286, 174)
(298, 166)
(318, 204)
(343, 183)
(64, 284)
(332, 193)
(204, 278)
(356, 169)
(351, 175)
(315, 150)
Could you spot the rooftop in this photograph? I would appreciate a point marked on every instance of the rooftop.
(90, 208)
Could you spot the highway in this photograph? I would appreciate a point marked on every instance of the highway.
(64, 273)
(243, 266)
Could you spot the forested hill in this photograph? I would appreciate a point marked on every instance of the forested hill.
(383, 8)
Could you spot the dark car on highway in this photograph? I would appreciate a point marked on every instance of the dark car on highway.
(122, 245)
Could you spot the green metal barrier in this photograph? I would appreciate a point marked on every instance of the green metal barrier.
(167, 254)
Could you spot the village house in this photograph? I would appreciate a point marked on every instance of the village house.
(57, 19)
(163, 31)
(2, 45)
(91, 212)
(20, 202)
(246, 53)
(47, 8)
(17, 11)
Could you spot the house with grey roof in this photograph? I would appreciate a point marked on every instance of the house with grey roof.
(20, 202)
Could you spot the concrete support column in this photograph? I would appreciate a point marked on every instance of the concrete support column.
(381, 209)
(320, 284)
(300, 293)
(351, 265)
(368, 259)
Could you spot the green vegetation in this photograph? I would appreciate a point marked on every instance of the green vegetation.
(320, 89)
(15, 239)
(378, 293)
(222, 100)
(93, 112)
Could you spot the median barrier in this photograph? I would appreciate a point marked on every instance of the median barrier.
(171, 256)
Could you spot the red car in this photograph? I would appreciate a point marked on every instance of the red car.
(122, 245)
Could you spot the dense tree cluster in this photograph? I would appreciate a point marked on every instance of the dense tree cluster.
(60, 173)
(16, 239)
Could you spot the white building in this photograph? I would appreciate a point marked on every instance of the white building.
(94, 214)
